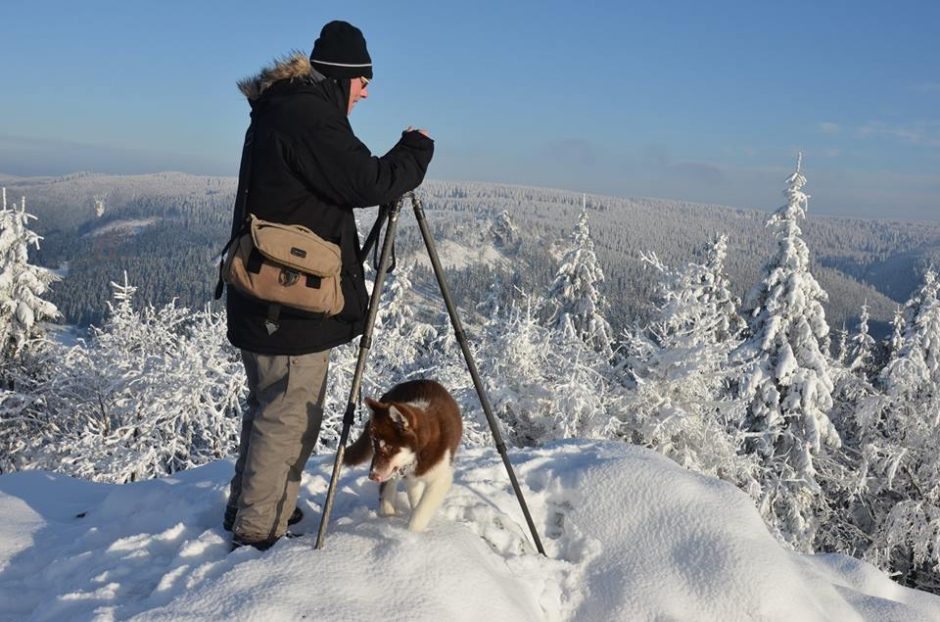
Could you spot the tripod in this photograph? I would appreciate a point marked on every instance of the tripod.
(392, 213)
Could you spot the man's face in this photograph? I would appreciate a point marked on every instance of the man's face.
(358, 89)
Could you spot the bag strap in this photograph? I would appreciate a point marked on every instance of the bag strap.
(372, 239)
(239, 215)
(244, 182)
(271, 323)
(241, 224)
(221, 282)
(373, 236)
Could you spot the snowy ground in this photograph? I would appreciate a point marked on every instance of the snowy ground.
(630, 536)
(66, 334)
(123, 227)
(456, 256)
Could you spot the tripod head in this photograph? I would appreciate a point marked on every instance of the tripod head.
(370, 244)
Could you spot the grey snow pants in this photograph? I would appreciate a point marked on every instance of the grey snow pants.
(279, 431)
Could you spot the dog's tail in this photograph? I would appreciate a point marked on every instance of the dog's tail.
(359, 451)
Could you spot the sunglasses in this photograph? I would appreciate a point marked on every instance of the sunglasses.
(364, 81)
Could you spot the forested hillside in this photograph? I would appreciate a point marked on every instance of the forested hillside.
(165, 230)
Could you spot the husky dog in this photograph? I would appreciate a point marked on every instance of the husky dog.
(413, 433)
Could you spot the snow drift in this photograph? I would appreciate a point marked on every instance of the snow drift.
(629, 536)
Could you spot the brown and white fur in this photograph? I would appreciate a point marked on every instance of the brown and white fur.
(413, 433)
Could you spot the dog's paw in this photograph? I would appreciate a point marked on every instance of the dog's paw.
(387, 509)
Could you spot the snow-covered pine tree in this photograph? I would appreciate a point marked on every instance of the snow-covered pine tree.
(544, 383)
(856, 404)
(680, 366)
(505, 233)
(697, 306)
(896, 339)
(841, 354)
(861, 354)
(788, 387)
(901, 448)
(124, 328)
(518, 350)
(575, 292)
(401, 338)
(493, 301)
(22, 285)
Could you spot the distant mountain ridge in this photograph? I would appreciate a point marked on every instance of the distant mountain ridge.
(856, 261)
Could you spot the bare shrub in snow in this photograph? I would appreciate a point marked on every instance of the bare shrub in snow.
(682, 375)
(152, 392)
(900, 449)
(544, 382)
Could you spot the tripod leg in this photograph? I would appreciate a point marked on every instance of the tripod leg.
(471, 365)
(365, 343)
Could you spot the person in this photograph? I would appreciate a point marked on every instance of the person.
(302, 164)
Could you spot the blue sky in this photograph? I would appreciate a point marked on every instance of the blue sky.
(700, 101)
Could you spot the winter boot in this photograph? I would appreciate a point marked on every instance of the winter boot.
(230, 511)
(261, 545)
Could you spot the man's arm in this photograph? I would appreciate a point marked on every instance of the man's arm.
(333, 161)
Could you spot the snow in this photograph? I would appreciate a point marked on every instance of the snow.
(62, 271)
(629, 536)
(68, 335)
(456, 256)
(123, 227)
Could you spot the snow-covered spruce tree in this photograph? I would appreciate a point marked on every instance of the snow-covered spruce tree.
(900, 448)
(152, 392)
(575, 294)
(894, 341)
(544, 384)
(841, 354)
(787, 387)
(861, 354)
(505, 233)
(681, 403)
(400, 336)
(22, 285)
(856, 403)
(494, 299)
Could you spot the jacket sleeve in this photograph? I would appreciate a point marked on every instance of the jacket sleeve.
(335, 163)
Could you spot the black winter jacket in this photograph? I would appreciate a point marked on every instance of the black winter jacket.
(308, 168)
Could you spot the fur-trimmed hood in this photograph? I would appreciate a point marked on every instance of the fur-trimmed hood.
(294, 65)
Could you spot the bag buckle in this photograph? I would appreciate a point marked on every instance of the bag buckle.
(286, 278)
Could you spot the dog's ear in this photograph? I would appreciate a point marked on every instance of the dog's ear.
(398, 418)
(374, 404)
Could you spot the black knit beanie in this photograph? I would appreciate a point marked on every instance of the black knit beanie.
(341, 52)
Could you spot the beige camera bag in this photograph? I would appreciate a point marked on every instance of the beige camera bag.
(289, 265)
